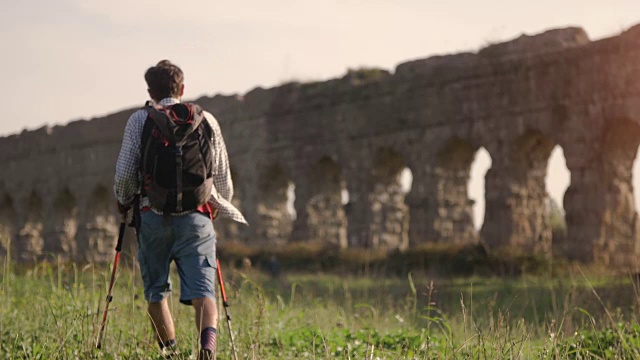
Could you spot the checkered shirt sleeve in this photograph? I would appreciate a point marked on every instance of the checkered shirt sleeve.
(128, 180)
(222, 191)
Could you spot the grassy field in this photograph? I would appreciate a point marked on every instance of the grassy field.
(53, 310)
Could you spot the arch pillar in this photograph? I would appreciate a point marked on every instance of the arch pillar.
(274, 221)
(358, 209)
(321, 215)
(449, 211)
(60, 227)
(418, 202)
(29, 241)
(602, 222)
(377, 214)
(517, 210)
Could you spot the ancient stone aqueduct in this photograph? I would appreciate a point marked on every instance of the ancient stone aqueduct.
(517, 99)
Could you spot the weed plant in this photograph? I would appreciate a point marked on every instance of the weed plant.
(52, 310)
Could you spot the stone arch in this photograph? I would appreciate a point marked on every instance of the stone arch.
(556, 183)
(275, 220)
(476, 186)
(291, 200)
(98, 227)
(517, 215)
(61, 226)
(389, 227)
(323, 216)
(406, 179)
(7, 225)
(344, 196)
(30, 244)
(450, 211)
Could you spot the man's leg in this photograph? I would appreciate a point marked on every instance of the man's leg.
(162, 322)
(154, 255)
(206, 313)
(195, 258)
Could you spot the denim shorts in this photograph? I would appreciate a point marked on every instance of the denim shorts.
(190, 241)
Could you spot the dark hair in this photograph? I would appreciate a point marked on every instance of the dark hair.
(164, 80)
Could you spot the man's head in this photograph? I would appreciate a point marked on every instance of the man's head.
(164, 80)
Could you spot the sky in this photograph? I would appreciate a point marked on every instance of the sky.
(65, 60)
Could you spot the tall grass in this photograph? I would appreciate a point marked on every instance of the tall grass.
(52, 310)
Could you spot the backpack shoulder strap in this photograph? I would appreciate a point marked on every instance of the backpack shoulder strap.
(206, 131)
(197, 114)
(162, 121)
(146, 142)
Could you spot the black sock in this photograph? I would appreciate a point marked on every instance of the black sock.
(169, 343)
(208, 339)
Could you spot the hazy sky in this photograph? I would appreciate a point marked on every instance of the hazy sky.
(69, 59)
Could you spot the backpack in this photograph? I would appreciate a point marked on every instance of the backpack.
(177, 161)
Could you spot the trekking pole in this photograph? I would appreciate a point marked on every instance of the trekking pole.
(226, 310)
(123, 225)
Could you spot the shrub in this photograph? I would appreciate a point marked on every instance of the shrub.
(452, 259)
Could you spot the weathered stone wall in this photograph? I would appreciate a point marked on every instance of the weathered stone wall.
(517, 100)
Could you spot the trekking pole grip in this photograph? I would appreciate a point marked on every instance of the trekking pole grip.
(123, 225)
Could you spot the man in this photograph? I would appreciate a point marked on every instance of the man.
(176, 226)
